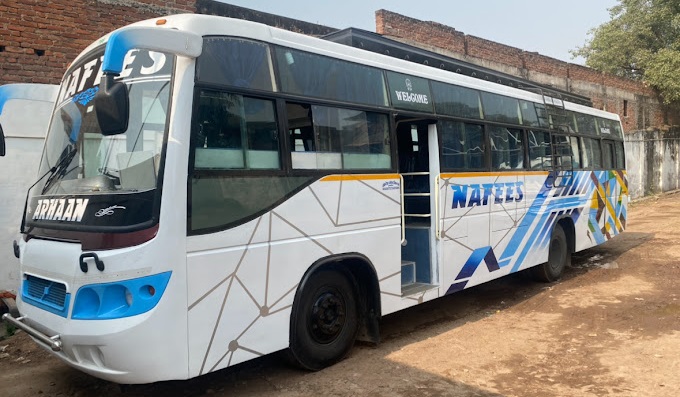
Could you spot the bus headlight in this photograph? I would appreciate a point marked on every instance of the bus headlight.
(119, 299)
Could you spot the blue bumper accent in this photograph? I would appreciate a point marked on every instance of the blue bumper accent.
(119, 299)
(45, 294)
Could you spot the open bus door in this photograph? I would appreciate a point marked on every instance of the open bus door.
(419, 170)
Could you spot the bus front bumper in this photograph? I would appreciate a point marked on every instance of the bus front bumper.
(53, 342)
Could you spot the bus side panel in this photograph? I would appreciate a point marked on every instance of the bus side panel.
(606, 214)
(242, 282)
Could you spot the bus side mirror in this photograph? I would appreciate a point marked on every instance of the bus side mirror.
(112, 105)
(2, 142)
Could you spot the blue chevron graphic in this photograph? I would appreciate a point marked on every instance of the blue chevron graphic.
(476, 258)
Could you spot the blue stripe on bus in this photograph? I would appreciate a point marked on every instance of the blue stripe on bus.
(478, 256)
(527, 221)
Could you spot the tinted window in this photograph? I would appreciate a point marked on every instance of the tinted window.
(409, 92)
(566, 152)
(586, 124)
(533, 114)
(462, 145)
(332, 138)
(218, 201)
(608, 155)
(610, 128)
(456, 101)
(235, 62)
(540, 155)
(570, 121)
(318, 76)
(500, 108)
(592, 155)
(507, 150)
(620, 156)
(235, 132)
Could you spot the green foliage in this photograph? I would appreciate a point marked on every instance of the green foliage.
(10, 330)
(642, 42)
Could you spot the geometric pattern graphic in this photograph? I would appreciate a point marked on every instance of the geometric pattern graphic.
(239, 294)
(595, 201)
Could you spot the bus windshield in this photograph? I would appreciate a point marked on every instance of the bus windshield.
(79, 160)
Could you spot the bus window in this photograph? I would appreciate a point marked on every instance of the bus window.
(567, 153)
(533, 114)
(586, 124)
(313, 75)
(507, 149)
(235, 62)
(333, 138)
(620, 156)
(592, 153)
(500, 108)
(576, 161)
(456, 101)
(608, 155)
(540, 154)
(462, 145)
(235, 132)
(610, 128)
(570, 121)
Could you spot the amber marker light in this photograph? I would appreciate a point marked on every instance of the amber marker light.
(161, 22)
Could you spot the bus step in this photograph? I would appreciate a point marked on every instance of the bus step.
(408, 272)
(415, 288)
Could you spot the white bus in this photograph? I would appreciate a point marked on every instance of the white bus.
(215, 190)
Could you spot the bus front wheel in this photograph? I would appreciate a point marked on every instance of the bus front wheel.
(325, 320)
(559, 257)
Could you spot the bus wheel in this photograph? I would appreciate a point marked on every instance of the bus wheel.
(559, 257)
(324, 320)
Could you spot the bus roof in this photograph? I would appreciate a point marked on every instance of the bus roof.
(210, 25)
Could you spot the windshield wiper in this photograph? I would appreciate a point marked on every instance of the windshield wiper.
(59, 170)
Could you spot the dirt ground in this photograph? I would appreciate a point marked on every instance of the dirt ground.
(610, 327)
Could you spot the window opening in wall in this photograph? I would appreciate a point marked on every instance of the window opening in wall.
(625, 108)
(39, 52)
(2, 48)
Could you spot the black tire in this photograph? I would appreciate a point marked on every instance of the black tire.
(559, 257)
(324, 320)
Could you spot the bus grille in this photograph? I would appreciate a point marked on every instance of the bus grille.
(46, 294)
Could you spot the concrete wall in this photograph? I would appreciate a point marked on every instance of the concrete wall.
(653, 162)
(24, 122)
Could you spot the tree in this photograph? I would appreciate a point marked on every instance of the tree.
(642, 42)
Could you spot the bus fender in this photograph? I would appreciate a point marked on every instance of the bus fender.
(365, 280)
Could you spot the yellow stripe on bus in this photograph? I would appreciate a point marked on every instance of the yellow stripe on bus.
(358, 177)
(487, 174)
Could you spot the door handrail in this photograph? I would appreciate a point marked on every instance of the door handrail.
(437, 230)
(403, 210)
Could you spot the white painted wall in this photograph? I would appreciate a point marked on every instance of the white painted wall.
(652, 162)
(24, 119)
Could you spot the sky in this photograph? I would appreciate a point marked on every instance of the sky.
(548, 27)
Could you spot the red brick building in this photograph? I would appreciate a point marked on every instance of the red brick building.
(39, 38)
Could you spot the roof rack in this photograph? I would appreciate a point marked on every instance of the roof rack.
(382, 45)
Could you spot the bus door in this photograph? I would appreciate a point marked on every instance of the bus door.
(419, 169)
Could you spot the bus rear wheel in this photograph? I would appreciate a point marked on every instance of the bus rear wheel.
(559, 258)
(324, 320)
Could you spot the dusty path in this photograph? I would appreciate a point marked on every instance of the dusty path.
(610, 327)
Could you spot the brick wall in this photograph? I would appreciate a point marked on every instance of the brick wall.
(38, 39)
(642, 107)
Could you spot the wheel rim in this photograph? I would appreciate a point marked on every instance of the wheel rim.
(328, 317)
